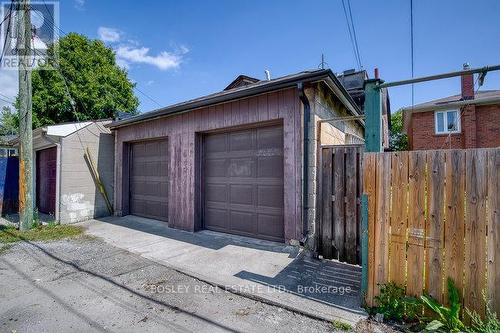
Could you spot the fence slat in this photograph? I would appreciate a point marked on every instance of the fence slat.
(435, 224)
(475, 226)
(399, 217)
(416, 222)
(339, 203)
(369, 187)
(326, 221)
(494, 229)
(382, 220)
(351, 227)
(454, 216)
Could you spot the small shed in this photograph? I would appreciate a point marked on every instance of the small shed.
(64, 183)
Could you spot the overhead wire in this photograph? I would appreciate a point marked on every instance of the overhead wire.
(351, 37)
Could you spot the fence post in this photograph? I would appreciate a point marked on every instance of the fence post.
(373, 143)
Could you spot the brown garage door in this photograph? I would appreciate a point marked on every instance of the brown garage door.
(243, 182)
(149, 179)
(46, 165)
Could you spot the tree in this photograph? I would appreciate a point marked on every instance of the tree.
(9, 124)
(96, 84)
(398, 140)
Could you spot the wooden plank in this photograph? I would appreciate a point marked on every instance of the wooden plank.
(416, 222)
(339, 203)
(359, 184)
(399, 217)
(326, 194)
(273, 105)
(369, 188)
(454, 217)
(382, 220)
(494, 229)
(475, 228)
(351, 226)
(434, 240)
(263, 113)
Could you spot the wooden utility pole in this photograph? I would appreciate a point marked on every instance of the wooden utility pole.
(25, 135)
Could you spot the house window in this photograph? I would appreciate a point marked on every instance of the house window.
(447, 121)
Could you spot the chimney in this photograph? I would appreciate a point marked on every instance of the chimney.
(467, 84)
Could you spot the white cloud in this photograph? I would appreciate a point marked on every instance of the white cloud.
(164, 60)
(80, 4)
(109, 34)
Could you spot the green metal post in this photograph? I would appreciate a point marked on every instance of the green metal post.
(373, 113)
(373, 143)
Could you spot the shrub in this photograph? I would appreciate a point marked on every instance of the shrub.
(490, 325)
(393, 303)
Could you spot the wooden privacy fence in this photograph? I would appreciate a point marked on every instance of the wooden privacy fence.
(434, 215)
(340, 210)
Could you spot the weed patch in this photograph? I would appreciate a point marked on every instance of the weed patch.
(9, 234)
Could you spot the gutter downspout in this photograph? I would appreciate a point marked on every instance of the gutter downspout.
(305, 169)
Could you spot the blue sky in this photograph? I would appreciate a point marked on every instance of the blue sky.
(177, 50)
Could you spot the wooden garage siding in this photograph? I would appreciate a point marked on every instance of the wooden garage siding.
(181, 131)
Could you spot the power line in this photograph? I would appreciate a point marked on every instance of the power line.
(354, 34)
(351, 38)
(412, 55)
(8, 30)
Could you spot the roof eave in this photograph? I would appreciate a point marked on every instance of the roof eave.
(326, 75)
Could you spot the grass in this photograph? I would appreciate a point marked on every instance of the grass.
(9, 234)
(337, 324)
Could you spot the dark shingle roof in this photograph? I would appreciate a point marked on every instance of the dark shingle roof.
(456, 98)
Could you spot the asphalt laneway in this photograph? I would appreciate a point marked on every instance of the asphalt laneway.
(88, 285)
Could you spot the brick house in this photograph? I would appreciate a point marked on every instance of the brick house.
(468, 120)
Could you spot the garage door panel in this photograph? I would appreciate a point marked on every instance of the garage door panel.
(242, 222)
(149, 179)
(241, 141)
(270, 166)
(270, 225)
(242, 167)
(216, 193)
(270, 196)
(241, 194)
(243, 182)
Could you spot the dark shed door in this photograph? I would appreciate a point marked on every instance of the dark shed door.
(46, 169)
(243, 182)
(149, 179)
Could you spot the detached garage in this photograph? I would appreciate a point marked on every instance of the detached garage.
(233, 161)
(63, 182)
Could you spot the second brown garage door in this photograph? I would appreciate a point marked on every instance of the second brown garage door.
(243, 182)
(46, 169)
(149, 179)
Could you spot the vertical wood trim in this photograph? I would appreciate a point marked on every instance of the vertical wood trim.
(382, 220)
(475, 226)
(494, 229)
(454, 218)
(351, 221)
(435, 226)
(326, 222)
(416, 222)
(339, 203)
(369, 187)
(399, 217)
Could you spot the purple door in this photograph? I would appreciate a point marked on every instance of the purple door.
(46, 165)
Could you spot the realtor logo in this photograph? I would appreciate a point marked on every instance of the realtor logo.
(44, 31)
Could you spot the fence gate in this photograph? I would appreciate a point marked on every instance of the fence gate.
(339, 202)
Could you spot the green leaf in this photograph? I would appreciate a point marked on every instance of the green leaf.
(434, 325)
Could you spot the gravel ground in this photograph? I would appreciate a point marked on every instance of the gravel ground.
(87, 285)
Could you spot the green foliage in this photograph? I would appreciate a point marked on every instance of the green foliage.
(490, 325)
(337, 324)
(9, 123)
(393, 303)
(9, 234)
(448, 318)
(398, 140)
(97, 85)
